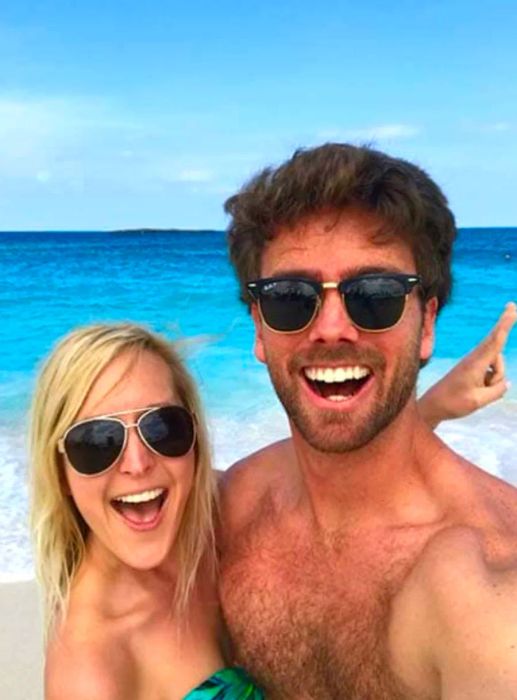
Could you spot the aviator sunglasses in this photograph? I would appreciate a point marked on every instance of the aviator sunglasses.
(94, 445)
(373, 302)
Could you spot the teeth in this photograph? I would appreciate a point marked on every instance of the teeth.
(335, 374)
(140, 497)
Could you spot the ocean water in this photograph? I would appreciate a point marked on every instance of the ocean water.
(181, 284)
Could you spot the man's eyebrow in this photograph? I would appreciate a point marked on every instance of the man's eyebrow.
(296, 272)
(375, 269)
(352, 272)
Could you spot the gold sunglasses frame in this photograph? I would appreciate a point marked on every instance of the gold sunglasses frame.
(412, 279)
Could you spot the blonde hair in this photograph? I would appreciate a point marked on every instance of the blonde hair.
(59, 531)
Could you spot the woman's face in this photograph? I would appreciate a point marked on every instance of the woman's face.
(134, 509)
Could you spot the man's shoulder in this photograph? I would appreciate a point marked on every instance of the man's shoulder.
(495, 502)
(469, 551)
(474, 498)
(466, 577)
(255, 471)
(245, 485)
(456, 611)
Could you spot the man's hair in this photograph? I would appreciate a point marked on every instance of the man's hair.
(334, 177)
(59, 531)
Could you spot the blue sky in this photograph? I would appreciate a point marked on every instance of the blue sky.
(128, 114)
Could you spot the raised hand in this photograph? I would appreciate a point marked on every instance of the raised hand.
(476, 381)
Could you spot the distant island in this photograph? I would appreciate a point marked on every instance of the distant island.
(161, 230)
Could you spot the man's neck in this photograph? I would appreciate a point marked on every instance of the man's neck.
(385, 481)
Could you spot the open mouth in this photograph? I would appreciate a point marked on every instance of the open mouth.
(141, 508)
(337, 383)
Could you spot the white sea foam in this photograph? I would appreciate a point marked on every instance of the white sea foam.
(15, 552)
(487, 438)
(236, 436)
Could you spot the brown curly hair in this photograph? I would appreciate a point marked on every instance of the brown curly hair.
(333, 177)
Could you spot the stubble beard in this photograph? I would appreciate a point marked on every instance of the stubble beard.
(339, 432)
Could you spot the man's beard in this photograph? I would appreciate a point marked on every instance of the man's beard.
(335, 431)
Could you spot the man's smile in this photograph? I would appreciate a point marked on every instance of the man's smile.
(337, 383)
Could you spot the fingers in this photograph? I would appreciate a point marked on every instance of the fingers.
(501, 331)
(494, 343)
(495, 372)
(491, 393)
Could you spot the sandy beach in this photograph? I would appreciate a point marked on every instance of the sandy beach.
(20, 642)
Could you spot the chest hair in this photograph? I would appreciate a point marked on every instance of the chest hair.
(310, 620)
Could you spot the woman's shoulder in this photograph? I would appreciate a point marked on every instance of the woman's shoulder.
(82, 665)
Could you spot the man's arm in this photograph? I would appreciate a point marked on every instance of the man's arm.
(454, 630)
(476, 381)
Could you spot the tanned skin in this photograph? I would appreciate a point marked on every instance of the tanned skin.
(121, 637)
(359, 567)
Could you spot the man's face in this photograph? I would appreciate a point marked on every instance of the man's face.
(340, 385)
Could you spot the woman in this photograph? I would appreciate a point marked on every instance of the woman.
(122, 516)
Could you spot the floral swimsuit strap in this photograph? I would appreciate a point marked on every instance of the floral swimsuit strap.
(226, 684)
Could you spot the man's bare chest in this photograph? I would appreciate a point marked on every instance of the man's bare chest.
(312, 622)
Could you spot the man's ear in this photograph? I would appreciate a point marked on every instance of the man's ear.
(427, 341)
(259, 344)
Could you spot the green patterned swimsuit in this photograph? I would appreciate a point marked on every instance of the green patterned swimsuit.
(226, 684)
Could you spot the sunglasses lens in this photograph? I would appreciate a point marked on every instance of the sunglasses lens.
(94, 446)
(168, 430)
(287, 305)
(375, 303)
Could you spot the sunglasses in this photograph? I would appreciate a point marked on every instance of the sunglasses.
(94, 445)
(373, 302)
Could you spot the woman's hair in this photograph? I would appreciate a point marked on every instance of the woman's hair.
(59, 531)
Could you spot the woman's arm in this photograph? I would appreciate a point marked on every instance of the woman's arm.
(477, 380)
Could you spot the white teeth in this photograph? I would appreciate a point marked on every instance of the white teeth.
(335, 374)
(360, 372)
(328, 376)
(141, 497)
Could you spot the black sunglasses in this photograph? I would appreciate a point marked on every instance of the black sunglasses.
(94, 445)
(373, 302)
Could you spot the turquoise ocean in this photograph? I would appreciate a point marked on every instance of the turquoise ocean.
(181, 284)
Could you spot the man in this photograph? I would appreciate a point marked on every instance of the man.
(361, 558)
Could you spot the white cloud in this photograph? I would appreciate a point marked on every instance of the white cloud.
(194, 175)
(43, 176)
(45, 117)
(51, 135)
(498, 127)
(380, 132)
(478, 127)
(74, 142)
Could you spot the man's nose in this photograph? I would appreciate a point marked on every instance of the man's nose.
(332, 323)
(137, 458)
